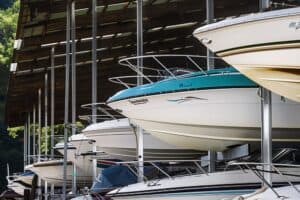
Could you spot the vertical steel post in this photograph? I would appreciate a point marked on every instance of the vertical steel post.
(266, 109)
(94, 77)
(139, 45)
(73, 71)
(39, 123)
(67, 85)
(73, 82)
(25, 145)
(39, 137)
(94, 59)
(212, 157)
(264, 5)
(52, 99)
(210, 19)
(29, 138)
(46, 127)
(94, 164)
(46, 114)
(267, 132)
(52, 108)
(33, 134)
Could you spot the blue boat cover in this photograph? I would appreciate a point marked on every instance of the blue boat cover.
(112, 177)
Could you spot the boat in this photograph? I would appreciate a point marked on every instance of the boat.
(206, 110)
(270, 191)
(79, 152)
(19, 182)
(52, 172)
(263, 46)
(211, 186)
(117, 138)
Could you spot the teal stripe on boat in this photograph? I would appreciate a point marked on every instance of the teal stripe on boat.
(212, 79)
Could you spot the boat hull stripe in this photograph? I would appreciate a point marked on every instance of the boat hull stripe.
(260, 47)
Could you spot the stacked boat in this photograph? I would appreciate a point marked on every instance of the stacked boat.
(268, 56)
(206, 110)
(185, 109)
(219, 109)
(20, 182)
(117, 138)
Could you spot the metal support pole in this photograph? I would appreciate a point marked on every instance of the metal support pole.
(39, 137)
(52, 107)
(28, 140)
(52, 100)
(94, 59)
(46, 190)
(73, 82)
(94, 164)
(73, 37)
(264, 5)
(266, 109)
(67, 85)
(210, 19)
(46, 114)
(46, 128)
(139, 131)
(33, 134)
(212, 157)
(39, 123)
(267, 132)
(25, 145)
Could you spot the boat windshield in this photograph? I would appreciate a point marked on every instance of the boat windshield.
(177, 71)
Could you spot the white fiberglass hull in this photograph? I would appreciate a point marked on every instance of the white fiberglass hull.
(52, 172)
(287, 192)
(268, 56)
(120, 143)
(79, 153)
(17, 187)
(214, 186)
(187, 196)
(213, 119)
(18, 183)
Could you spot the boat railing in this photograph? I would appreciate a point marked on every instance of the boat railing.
(153, 68)
(104, 112)
(134, 168)
(259, 168)
(41, 158)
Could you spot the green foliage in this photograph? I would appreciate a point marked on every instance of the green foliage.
(8, 26)
(15, 131)
(58, 133)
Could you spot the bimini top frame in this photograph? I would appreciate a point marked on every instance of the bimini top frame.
(105, 112)
(154, 68)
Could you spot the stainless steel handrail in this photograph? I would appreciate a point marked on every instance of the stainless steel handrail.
(153, 163)
(132, 63)
(274, 166)
(102, 107)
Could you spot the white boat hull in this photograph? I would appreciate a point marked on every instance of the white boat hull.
(120, 143)
(213, 120)
(287, 192)
(214, 186)
(268, 56)
(52, 172)
(187, 196)
(18, 183)
(17, 188)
